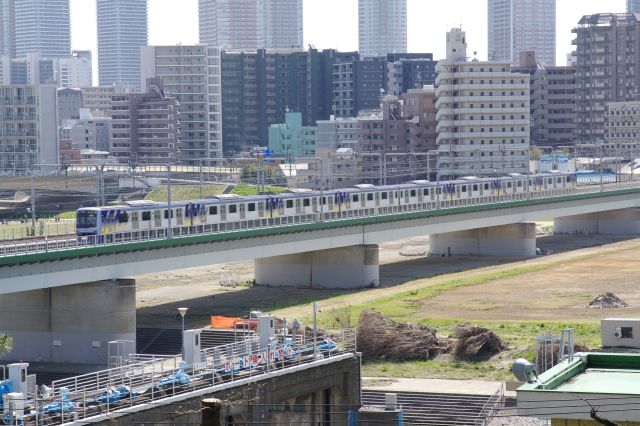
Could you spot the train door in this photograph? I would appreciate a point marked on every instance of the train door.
(298, 206)
(157, 219)
(391, 198)
(179, 217)
(406, 197)
(420, 196)
(314, 204)
(203, 214)
(363, 200)
(223, 213)
(261, 209)
(135, 221)
(243, 211)
(377, 198)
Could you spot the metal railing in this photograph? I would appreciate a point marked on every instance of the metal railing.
(441, 203)
(490, 407)
(108, 391)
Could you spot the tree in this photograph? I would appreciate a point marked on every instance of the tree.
(5, 344)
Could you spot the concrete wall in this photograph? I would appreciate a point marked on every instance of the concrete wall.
(517, 240)
(290, 399)
(608, 330)
(344, 267)
(614, 222)
(69, 324)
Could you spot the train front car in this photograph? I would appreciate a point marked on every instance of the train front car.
(87, 221)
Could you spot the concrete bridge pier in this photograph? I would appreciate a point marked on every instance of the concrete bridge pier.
(69, 324)
(613, 222)
(517, 240)
(339, 268)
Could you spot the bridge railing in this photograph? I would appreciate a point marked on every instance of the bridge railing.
(46, 245)
(108, 391)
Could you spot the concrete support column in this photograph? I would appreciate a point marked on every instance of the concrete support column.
(614, 222)
(517, 240)
(69, 324)
(344, 267)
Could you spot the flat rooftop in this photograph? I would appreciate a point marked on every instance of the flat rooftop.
(603, 373)
(603, 381)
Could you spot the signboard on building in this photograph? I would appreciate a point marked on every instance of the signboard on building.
(549, 162)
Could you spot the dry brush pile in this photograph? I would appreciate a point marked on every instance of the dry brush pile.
(380, 337)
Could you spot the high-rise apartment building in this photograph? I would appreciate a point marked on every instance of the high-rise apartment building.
(251, 24)
(633, 6)
(607, 49)
(483, 115)
(97, 99)
(42, 26)
(522, 25)
(259, 87)
(122, 31)
(76, 70)
(31, 70)
(7, 28)
(382, 27)
(184, 72)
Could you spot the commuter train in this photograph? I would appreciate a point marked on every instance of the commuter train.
(229, 212)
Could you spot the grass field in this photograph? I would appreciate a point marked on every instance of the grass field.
(517, 301)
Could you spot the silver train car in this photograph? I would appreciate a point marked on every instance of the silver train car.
(231, 212)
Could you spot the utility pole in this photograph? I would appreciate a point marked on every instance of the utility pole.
(201, 181)
(170, 212)
(33, 203)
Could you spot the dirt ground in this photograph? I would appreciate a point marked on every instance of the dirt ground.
(563, 292)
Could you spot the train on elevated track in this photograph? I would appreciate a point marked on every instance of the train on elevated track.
(228, 212)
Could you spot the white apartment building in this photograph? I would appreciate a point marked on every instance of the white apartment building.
(522, 25)
(28, 127)
(184, 71)
(76, 70)
(483, 115)
(382, 27)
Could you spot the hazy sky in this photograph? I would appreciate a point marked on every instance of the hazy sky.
(334, 23)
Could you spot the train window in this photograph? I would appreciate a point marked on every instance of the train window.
(355, 197)
(146, 216)
(559, 180)
(289, 204)
(369, 197)
(233, 208)
(166, 214)
(252, 207)
(550, 181)
(123, 218)
(475, 187)
(385, 195)
(306, 202)
(425, 192)
(519, 184)
(324, 201)
(213, 210)
(413, 192)
(509, 185)
(463, 188)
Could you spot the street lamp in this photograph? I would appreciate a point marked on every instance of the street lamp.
(183, 312)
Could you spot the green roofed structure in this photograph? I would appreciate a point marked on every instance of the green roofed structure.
(566, 394)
